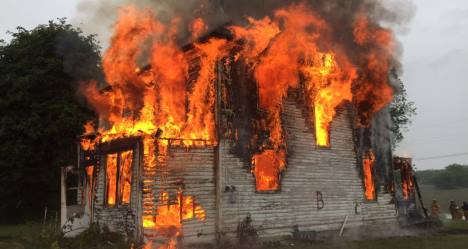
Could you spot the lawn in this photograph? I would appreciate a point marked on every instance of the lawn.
(11, 234)
(444, 196)
(454, 235)
(443, 241)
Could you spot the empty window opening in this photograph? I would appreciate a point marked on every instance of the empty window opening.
(368, 166)
(406, 173)
(266, 168)
(322, 126)
(111, 179)
(73, 188)
(125, 177)
(119, 178)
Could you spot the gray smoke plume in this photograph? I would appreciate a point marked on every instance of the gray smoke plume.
(97, 16)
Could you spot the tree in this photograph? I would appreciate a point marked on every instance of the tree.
(401, 112)
(453, 176)
(41, 113)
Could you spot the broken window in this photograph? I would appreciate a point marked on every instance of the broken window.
(406, 174)
(73, 188)
(266, 168)
(111, 179)
(322, 126)
(368, 166)
(125, 177)
(119, 178)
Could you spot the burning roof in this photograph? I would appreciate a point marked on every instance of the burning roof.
(159, 85)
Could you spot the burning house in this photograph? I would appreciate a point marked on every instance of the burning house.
(278, 120)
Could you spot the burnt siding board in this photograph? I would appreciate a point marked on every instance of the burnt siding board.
(332, 171)
(122, 219)
(197, 169)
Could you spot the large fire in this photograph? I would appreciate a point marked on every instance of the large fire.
(157, 86)
(297, 44)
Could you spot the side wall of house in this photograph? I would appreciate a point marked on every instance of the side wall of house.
(123, 219)
(196, 167)
(331, 171)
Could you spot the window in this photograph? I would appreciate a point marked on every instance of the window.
(125, 177)
(111, 179)
(119, 178)
(368, 166)
(267, 168)
(322, 126)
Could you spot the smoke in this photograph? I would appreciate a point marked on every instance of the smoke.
(98, 16)
(80, 60)
(378, 17)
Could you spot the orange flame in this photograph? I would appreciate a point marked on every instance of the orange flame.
(267, 167)
(143, 100)
(407, 187)
(296, 42)
(171, 213)
(111, 179)
(407, 180)
(373, 91)
(126, 176)
(155, 84)
(368, 165)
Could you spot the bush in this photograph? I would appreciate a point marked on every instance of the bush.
(94, 237)
(46, 238)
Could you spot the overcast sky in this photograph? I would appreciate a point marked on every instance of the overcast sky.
(435, 71)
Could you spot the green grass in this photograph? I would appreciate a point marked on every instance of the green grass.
(16, 231)
(455, 227)
(442, 241)
(454, 235)
(444, 196)
(11, 236)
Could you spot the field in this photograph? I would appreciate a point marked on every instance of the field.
(453, 235)
(11, 235)
(444, 196)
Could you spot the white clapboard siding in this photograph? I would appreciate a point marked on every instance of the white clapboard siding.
(122, 219)
(332, 171)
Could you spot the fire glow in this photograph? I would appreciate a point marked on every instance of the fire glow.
(151, 88)
(170, 215)
(368, 165)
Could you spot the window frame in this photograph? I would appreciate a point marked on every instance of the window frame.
(118, 194)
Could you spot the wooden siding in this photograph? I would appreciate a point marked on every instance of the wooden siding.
(124, 219)
(191, 171)
(332, 171)
(197, 169)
